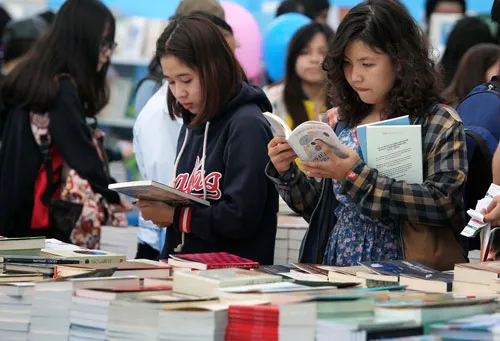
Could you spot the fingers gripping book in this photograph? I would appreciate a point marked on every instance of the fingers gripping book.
(303, 139)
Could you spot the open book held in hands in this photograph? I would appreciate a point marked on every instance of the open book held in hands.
(155, 191)
(303, 138)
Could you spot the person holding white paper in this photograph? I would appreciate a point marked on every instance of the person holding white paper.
(379, 71)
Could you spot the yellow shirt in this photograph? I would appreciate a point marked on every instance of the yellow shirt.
(309, 105)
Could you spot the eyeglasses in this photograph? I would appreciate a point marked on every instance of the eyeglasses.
(106, 46)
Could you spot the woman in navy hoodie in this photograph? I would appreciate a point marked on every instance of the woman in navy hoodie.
(222, 148)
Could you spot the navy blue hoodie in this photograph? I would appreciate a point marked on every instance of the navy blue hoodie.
(242, 217)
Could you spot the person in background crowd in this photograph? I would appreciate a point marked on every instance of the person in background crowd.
(467, 33)
(479, 64)
(221, 152)
(290, 6)
(317, 10)
(302, 95)
(377, 72)
(4, 19)
(156, 132)
(63, 75)
(443, 6)
(48, 16)
(18, 38)
(209, 6)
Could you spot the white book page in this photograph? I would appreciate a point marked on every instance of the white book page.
(396, 152)
(278, 126)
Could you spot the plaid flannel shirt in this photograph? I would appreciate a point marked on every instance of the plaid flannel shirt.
(438, 201)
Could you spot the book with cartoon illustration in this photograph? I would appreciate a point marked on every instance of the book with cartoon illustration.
(304, 137)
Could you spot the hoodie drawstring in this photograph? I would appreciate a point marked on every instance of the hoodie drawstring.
(203, 158)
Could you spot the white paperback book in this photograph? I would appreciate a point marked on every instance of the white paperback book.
(396, 152)
(155, 191)
(303, 138)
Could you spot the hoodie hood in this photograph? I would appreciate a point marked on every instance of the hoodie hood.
(248, 94)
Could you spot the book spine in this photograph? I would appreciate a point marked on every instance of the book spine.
(39, 261)
(224, 266)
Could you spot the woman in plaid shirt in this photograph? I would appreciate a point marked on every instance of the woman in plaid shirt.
(379, 69)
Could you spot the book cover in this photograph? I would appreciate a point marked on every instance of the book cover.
(213, 260)
(303, 138)
(311, 269)
(400, 267)
(361, 131)
(22, 243)
(155, 191)
(36, 260)
(396, 152)
(87, 256)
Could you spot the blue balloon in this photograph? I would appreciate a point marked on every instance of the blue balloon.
(276, 38)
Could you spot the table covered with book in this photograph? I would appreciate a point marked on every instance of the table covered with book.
(55, 291)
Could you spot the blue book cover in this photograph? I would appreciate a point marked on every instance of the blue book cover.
(361, 131)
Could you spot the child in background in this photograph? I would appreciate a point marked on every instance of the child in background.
(302, 95)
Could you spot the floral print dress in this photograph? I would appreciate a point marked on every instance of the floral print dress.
(357, 238)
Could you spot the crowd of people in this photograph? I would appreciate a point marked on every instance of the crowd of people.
(200, 129)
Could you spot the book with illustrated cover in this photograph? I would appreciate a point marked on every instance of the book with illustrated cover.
(155, 191)
(303, 138)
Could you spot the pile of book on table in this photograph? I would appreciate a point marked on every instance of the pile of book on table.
(219, 296)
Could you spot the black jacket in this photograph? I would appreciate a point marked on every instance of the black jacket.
(20, 158)
(242, 217)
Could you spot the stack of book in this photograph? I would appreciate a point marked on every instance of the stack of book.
(411, 274)
(478, 327)
(27, 246)
(294, 320)
(203, 322)
(138, 319)
(122, 240)
(477, 278)
(136, 267)
(206, 282)
(16, 300)
(50, 316)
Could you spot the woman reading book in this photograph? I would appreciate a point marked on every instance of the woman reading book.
(221, 154)
(379, 69)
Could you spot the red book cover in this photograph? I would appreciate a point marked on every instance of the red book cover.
(212, 260)
(249, 332)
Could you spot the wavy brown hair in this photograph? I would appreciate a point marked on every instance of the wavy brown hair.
(387, 27)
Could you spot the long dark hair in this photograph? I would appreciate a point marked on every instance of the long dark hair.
(387, 27)
(199, 44)
(467, 32)
(293, 93)
(430, 7)
(71, 46)
(471, 71)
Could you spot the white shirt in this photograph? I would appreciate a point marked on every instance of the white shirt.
(155, 143)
